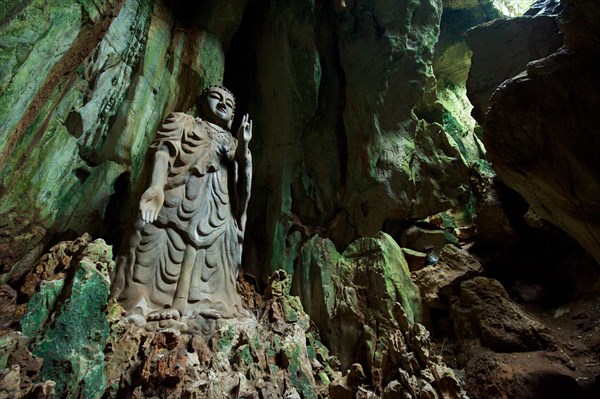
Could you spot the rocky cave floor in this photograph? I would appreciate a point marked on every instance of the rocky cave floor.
(59, 338)
(575, 325)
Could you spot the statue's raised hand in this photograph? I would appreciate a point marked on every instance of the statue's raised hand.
(244, 134)
(151, 202)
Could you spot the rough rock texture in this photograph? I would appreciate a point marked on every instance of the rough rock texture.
(339, 141)
(515, 43)
(366, 308)
(493, 226)
(277, 356)
(520, 376)
(440, 282)
(343, 144)
(369, 282)
(66, 318)
(61, 305)
(451, 63)
(485, 311)
(541, 133)
(507, 352)
(19, 369)
(361, 124)
(82, 347)
(410, 370)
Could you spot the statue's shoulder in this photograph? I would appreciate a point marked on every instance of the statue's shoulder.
(178, 120)
(174, 125)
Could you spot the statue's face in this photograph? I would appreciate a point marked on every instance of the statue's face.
(220, 105)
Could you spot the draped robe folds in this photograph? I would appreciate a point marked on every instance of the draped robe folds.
(193, 250)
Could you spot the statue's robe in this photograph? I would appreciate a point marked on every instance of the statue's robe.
(195, 242)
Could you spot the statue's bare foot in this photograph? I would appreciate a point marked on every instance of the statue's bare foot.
(207, 314)
(164, 314)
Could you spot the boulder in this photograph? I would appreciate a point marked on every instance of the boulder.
(440, 282)
(486, 312)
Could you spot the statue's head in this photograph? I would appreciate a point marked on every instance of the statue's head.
(217, 105)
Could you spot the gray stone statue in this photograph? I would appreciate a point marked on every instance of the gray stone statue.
(182, 260)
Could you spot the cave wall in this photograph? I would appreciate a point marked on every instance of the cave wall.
(362, 124)
(348, 136)
(340, 147)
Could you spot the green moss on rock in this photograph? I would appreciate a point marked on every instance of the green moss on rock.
(352, 297)
(72, 343)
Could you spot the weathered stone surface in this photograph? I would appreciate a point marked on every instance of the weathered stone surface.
(520, 376)
(416, 260)
(8, 307)
(379, 127)
(349, 139)
(346, 387)
(515, 42)
(541, 143)
(21, 243)
(451, 63)
(67, 323)
(53, 265)
(336, 288)
(560, 138)
(341, 138)
(278, 356)
(438, 283)
(561, 143)
(365, 306)
(20, 369)
(427, 238)
(486, 312)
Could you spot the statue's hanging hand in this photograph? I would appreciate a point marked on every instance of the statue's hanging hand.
(244, 134)
(151, 202)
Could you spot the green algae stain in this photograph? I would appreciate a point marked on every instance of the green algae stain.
(40, 306)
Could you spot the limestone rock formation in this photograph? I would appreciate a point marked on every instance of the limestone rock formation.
(335, 155)
(362, 124)
(541, 135)
(336, 288)
(438, 283)
(63, 323)
(516, 42)
(506, 352)
(277, 355)
(367, 310)
(82, 346)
